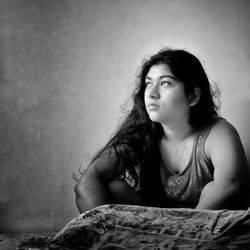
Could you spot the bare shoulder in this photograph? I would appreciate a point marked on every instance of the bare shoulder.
(223, 137)
(223, 128)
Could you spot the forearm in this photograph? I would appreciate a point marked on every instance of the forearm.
(90, 193)
(218, 196)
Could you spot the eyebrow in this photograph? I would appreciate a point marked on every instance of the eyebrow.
(163, 76)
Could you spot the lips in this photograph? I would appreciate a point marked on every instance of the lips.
(152, 106)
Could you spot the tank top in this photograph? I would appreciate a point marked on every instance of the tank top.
(184, 189)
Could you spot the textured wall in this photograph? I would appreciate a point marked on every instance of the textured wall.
(66, 67)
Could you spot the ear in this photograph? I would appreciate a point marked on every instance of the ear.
(194, 97)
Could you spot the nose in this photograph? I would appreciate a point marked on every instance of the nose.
(154, 92)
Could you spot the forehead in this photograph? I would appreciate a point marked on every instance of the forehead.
(159, 70)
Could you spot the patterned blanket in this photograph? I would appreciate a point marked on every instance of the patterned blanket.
(137, 227)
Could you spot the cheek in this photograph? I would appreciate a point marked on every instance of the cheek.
(181, 99)
(177, 103)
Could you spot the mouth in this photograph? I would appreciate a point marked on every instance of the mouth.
(152, 106)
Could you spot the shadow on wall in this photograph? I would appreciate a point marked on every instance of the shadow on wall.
(5, 205)
(246, 126)
(244, 122)
(6, 222)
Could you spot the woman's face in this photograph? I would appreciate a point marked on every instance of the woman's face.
(165, 98)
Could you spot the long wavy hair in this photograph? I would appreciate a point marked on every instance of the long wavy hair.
(135, 141)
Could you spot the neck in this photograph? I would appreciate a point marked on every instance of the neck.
(177, 131)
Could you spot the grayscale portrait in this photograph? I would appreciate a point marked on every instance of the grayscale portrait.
(124, 124)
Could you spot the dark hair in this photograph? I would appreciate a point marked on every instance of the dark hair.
(136, 138)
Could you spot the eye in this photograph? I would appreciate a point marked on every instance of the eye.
(164, 83)
(148, 84)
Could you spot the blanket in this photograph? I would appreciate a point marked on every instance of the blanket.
(135, 227)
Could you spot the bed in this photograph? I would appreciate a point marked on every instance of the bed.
(138, 227)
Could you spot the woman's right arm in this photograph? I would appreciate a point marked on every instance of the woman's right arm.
(92, 188)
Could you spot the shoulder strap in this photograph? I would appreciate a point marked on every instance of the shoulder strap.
(203, 134)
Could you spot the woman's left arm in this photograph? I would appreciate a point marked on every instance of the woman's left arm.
(229, 188)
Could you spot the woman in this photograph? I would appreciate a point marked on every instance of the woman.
(172, 150)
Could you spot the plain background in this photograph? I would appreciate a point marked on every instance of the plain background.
(67, 68)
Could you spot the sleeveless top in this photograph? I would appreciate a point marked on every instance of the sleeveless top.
(162, 188)
(184, 189)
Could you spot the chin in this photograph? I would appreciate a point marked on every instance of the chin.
(155, 118)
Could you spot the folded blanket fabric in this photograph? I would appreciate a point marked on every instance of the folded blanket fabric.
(138, 227)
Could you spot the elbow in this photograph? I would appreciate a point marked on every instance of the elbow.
(80, 198)
(81, 185)
(78, 189)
